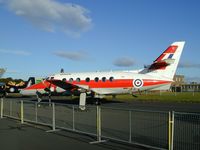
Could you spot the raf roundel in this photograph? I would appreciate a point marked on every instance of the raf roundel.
(137, 83)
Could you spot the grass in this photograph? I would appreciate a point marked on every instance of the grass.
(189, 97)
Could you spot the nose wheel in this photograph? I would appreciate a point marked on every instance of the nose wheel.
(98, 101)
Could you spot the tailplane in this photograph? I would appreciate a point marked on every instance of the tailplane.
(166, 64)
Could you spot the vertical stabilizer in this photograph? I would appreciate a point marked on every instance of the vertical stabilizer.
(31, 81)
(166, 64)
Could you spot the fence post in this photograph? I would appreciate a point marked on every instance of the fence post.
(1, 108)
(73, 119)
(98, 124)
(36, 112)
(171, 130)
(53, 118)
(130, 126)
(172, 134)
(22, 112)
(10, 111)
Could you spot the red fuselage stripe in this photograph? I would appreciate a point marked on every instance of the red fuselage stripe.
(117, 83)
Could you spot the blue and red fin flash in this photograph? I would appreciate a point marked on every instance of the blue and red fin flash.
(161, 62)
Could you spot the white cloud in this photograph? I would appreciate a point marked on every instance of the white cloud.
(22, 53)
(123, 62)
(52, 16)
(71, 55)
(188, 65)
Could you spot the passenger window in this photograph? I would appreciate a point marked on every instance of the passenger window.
(64, 79)
(111, 79)
(71, 80)
(104, 79)
(87, 79)
(52, 78)
(78, 80)
(96, 79)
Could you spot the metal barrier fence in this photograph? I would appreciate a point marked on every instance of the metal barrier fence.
(158, 130)
(186, 131)
(145, 128)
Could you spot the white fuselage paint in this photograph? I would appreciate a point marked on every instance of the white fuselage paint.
(116, 75)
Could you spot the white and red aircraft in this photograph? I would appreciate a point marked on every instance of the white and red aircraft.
(157, 76)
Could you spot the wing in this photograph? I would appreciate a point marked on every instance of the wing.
(68, 86)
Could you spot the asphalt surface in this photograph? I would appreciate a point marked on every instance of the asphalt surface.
(159, 106)
(135, 104)
(15, 136)
(148, 121)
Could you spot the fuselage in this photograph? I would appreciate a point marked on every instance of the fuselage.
(112, 82)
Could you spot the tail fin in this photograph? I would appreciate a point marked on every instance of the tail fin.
(166, 64)
(31, 81)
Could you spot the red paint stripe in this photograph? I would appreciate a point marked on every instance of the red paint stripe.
(171, 49)
(108, 84)
(117, 83)
(160, 57)
(154, 82)
(120, 83)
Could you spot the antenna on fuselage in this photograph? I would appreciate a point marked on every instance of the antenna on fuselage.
(62, 70)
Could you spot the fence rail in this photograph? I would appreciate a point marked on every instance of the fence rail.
(154, 129)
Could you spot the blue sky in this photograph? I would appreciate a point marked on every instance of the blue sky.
(39, 37)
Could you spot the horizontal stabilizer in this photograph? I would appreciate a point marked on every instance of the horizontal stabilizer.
(162, 64)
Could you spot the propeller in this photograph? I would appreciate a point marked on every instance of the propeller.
(47, 89)
(49, 92)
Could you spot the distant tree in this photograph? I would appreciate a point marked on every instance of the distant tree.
(6, 80)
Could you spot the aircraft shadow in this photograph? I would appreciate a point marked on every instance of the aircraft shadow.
(75, 101)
